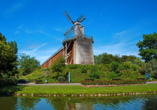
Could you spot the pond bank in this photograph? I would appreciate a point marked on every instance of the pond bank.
(77, 95)
(77, 90)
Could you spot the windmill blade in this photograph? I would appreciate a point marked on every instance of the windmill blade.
(81, 18)
(68, 17)
(69, 32)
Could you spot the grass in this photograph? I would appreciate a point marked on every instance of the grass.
(76, 89)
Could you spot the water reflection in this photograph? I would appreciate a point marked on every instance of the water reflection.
(145, 102)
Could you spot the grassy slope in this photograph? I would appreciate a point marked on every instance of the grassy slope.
(76, 89)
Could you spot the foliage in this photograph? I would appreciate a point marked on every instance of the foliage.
(112, 75)
(107, 82)
(94, 72)
(114, 66)
(27, 64)
(151, 68)
(61, 77)
(57, 67)
(138, 62)
(7, 59)
(73, 66)
(84, 68)
(107, 58)
(148, 47)
(7, 82)
(98, 59)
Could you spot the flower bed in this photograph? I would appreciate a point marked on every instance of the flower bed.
(110, 82)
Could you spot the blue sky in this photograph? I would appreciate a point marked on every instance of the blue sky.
(116, 25)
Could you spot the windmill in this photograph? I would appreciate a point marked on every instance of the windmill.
(77, 28)
(77, 49)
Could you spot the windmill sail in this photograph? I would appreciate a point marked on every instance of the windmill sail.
(81, 18)
(68, 17)
(69, 32)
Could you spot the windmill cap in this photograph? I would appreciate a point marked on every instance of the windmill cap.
(77, 23)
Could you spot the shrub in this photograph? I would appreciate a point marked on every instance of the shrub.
(58, 65)
(94, 72)
(61, 77)
(127, 73)
(7, 82)
(73, 66)
(107, 82)
(84, 68)
(112, 75)
(114, 66)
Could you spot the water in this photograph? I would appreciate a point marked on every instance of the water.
(141, 102)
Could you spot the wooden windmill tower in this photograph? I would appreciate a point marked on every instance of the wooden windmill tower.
(79, 48)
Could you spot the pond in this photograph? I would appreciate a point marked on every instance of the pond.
(140, 102)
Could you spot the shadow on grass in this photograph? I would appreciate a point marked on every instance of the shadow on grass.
(11, 89)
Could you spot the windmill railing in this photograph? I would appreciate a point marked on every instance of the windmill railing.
(70, 38)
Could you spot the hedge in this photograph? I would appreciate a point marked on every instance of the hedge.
(8, 82)
(107, 82)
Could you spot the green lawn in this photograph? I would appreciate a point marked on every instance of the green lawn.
(76, 89)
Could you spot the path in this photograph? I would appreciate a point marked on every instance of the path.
(50, 84)
(153, 82)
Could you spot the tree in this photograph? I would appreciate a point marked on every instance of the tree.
(107, 58)
(13, 45)
(56, 69)
(124, 58)
(131, 58)
(117, 58)
(152, 67)
(7, 58)
(148, 47)
(27, 64)
(98, 59)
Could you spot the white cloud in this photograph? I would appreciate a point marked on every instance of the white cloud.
(122, 44)
(32, 51)
(14, 8)
(16, 32)
(20, 27)
(38, 31)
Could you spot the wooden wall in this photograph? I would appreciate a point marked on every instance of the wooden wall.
(50, 62)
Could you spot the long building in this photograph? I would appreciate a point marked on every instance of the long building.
(75, 50)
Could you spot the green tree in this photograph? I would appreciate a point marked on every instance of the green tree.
(107, 58)
(117, 58)
(152, 67)
(148, 47)
(98, 59)
(13, 45)
(7, 58)
(114, 66)
(56, 69)
(131, 58)
(124, 58)
(27, 64)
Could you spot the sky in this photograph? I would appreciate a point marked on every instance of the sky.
(38, 25)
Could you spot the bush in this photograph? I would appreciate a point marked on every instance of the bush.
(114, 66)
(84, 68)
(38, 82)
(94, 72)
(8, 82)
(73, 66)
(107, 82)
(61, 77)
(112, 75)
(58, 65)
